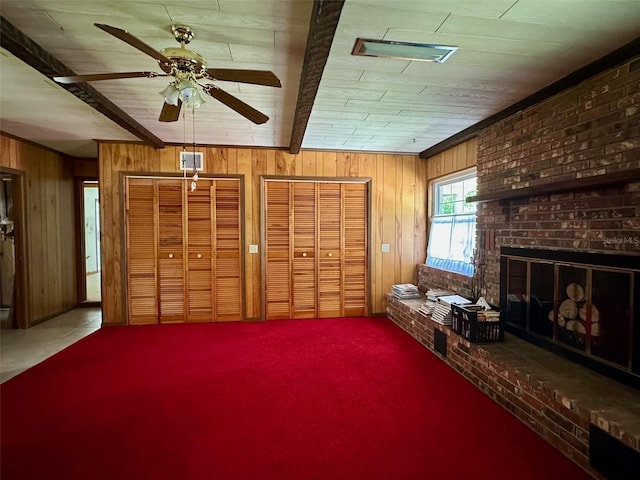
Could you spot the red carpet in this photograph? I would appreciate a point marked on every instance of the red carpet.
(311, 399)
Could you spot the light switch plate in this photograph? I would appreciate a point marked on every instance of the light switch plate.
(253, 248)
(385, 247)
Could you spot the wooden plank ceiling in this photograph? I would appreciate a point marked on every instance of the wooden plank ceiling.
(507, 50)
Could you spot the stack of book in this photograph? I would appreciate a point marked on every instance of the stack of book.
(434, 294)
(442, 311)
(427, 307)
(405, 291)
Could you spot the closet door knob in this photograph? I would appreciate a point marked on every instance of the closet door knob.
(329, 254)
(199, 255)
(171, 255)
(304, 254)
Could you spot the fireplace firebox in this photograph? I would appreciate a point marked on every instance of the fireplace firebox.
(583, 306)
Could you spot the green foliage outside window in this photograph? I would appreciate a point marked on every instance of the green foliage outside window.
(448, 205)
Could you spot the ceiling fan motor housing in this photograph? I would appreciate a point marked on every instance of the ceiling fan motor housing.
(183, 61)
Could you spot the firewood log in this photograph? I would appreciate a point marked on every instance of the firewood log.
(575, 292)
(568, 309)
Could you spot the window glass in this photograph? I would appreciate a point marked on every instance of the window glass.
(453, 225)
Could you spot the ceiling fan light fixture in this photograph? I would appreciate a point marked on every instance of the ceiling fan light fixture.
(171, 94)
(422, 52)
(184, 91)
(189, 94)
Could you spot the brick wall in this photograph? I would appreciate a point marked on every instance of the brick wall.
(438, 279)
(590, 129)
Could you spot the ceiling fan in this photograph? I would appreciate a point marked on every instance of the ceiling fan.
(186, 67)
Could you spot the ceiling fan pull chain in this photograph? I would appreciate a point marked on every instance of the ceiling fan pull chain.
(184, 146)
(193, 133)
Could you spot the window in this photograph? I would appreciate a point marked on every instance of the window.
(453, 224)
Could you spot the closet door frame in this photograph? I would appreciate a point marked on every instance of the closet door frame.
(122, 181)
(263, 234)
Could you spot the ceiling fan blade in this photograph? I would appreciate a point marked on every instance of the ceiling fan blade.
(133, 41)
(256, 77)
(236, 104)
(170, 113)
(106, 76)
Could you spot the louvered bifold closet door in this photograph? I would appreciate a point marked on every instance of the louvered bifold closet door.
(354, 277)
(227, 248)
(141, 251)
(277, 250)
(329, 250)
(170, 251)
(199, 253)
(304, 220)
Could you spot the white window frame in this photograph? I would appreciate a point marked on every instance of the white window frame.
(451, 235)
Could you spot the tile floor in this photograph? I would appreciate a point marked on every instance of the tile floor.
(93, 287)
(22, 349)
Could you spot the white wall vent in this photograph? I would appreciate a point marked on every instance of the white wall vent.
(191, 161)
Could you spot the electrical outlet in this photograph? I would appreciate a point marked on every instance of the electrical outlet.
(385, 247)
(253, 248)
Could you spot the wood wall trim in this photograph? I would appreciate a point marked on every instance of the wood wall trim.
(291, 178)
(21, 310)
(81, 284)
(243, 249)
(23, 47)
(622, 54)
(324, 21)
(174, 176)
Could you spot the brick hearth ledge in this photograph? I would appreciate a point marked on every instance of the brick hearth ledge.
(556, 398)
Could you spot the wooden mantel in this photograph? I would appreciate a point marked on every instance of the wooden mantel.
(596, 181)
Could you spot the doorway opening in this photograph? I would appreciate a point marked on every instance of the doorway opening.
(12, 307)
(91, 241)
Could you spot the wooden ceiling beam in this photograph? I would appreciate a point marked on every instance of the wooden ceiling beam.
(324, 21)
(17, 43)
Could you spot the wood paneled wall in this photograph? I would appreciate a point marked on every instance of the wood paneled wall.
(399, 186)
(86, 168)
(460, 157)
(51, 258)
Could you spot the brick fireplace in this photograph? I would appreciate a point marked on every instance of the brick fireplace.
(561, 178)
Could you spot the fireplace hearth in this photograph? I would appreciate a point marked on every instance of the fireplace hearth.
(583, 306)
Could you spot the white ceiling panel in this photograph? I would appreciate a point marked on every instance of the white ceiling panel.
(476, 8)
(587, 14)
(507, 50)
(38, 115)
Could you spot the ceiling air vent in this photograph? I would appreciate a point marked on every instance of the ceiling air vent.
(423, 52)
